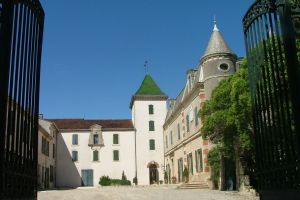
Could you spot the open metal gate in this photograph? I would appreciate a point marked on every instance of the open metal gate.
(271, 29)
(21, 35)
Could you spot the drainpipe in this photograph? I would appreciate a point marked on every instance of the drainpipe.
(135, 157)
(136, 178)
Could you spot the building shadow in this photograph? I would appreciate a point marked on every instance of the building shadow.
(67, 175)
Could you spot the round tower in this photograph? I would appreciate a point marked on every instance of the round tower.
(218, 62)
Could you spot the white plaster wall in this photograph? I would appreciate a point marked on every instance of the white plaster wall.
(69, 172)
(141, 117)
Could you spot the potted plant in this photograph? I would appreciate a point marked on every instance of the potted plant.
(174, 180)
(166, 177)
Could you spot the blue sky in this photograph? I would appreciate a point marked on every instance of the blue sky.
(94, 50)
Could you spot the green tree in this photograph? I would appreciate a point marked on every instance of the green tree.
(227, 120)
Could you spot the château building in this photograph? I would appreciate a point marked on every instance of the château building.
(158, 141)
(47, 134)
(184, 146)
(89, 149)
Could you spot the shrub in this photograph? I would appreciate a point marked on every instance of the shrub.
(166, 177)
(105, 181)
(214, 161)
(120, 182)
(124, 176)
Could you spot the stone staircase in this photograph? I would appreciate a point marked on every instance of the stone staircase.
(196, 182)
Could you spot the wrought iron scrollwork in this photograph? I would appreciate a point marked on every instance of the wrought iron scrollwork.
(258, 8)
(295, 10)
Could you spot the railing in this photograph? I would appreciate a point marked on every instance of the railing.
(21, 36)
(271, 29)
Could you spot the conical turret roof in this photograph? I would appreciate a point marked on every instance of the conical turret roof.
(149, 87)
(217, 44)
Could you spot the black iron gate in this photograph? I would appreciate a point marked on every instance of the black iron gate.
(271, 29)
(21, 34)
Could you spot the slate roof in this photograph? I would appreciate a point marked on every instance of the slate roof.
(183, 94)
(149, 87)
(217, 44)
(84, 124)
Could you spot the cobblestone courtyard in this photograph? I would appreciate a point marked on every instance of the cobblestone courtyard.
(139, 193)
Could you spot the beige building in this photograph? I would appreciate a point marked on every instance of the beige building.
(184, 146)
(46, 154)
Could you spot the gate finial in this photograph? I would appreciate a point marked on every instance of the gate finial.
(215, 24)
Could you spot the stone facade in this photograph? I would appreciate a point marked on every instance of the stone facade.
(184, 146)
(47, 154)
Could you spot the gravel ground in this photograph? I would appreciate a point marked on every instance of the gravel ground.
(139, 193)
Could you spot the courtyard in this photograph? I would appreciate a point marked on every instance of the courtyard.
(140, 193)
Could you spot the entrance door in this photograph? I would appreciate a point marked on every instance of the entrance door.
(87, 177)
(153, 174)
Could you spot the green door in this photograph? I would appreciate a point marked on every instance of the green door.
(87, 177)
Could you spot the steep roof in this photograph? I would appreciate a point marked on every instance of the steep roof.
(149, 87)
(217, 44)
(80, 124)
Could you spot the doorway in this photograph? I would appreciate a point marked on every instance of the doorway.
(87, 177)
(153, 174)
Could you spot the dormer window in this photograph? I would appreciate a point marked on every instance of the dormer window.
(96, 138)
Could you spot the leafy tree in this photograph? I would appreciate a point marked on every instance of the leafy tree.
(227, 120)
(214, 162)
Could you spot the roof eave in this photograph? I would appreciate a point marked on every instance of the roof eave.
(146, 98)
(208, 56)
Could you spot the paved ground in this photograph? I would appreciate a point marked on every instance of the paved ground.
(139, 193)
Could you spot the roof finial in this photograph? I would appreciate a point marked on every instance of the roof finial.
(146, 67)
(215, 24)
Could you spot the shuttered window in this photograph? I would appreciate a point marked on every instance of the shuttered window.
(115, 138)
(51, 173)
(116, 155)
(178, 131)
(187, 123)
(152, 144)
(45, 146)
(151, 109)
(96, 155)
(75, 139)
(74, 156)
(151, 126)
(166, 141)
(53, 150)
(196, 116)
